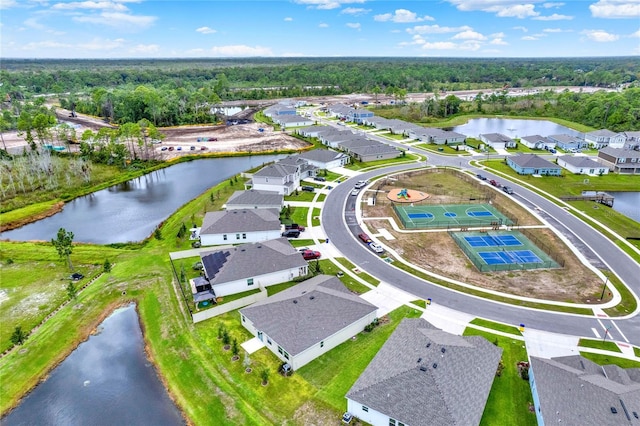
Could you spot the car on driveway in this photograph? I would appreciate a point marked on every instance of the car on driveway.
(308, 188)
(294, 226)
(507, 189)
(376, 248)
(291, 233)
(319, 179)
(310, 255)
(365, 238)
(355, 191)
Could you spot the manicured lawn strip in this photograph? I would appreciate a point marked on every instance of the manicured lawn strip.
(273, 289)
(599, 344)
(321, 198)
(420, 302)
(496, 326)
(335, 372)
(358, 165)
(315, 216)
(392, 136)
(446, 149)
(27, 211)
(350, 266)
(232, 297)
(329, 268)
(300, 196)
(607, 359)
(331, 176)
(299, 215)
(636, 351)
(485, 295)
(510, 396)
(628, 303)
(301, 243)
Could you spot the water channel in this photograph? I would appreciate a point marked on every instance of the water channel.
(130, 211)
(514, 128)
(107, 380)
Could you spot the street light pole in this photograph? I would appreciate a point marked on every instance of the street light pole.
(604, 287)
(606, 331)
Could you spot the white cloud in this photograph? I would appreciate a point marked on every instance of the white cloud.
(323, 25)
(521, 28)
(354, 25)
(8, 4)
(552, 5)
(502, 8)
(196, 51)
(498, 41)
(402, 16)
(440, 45)
(355, 11)
(497, 35)
(117, 19)
(97, 44)
(616, 9)
(48, 44)
(554, 17)
(416, 39)
(34, 24)
(436, 29)
(104, 5)
(636, 34)
(145, 49)
(240, 51)
(556, 30)
(469, 35)
(327, 4)
(206, 30)
(516, 11)
(288, 19)
(470, 45)
(600, 36)
(529, 38)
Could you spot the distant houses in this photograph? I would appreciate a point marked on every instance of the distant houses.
(623, 161)
(537, 142)
(498, 140)
(425, 376)
(305, 321)
(255, 199)
(582, 165)
(240, 226)
(568, 142)
(601, 138)
(532, 164)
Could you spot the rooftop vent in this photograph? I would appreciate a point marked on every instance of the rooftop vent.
(423, 368)
(582, 364)
(429, 344)
(243, 249)
(419, 359)
(295, 301)
(613, 410)
(635, 414)
(443, 350)
(435, 365)
(311, 297)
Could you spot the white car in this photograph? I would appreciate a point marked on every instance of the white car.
(361, 184)
(355, 191)
(376, 247)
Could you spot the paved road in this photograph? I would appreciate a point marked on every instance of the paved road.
(341, 226)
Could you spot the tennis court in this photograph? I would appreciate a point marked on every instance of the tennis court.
(449, 215)
(502, 250)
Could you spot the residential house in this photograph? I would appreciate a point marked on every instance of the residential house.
(358, 142)
(600, 138)
(339, 111)
(287, 121)
(281, 178)
(568, 142)
(306, 169)
(573, 390)
(633, 140)
(240, 226)
(380, 151)
(582, 165)
(497, 140)
(333, 139)
(252, 266)
(437, 136)
(532, 164)
(255, 199)
(537, 142)
(325, 158)
(620, 160)
(307, 320)
(425, 376)
(279, 109)
(358, 115)
(380, 123)
(314, 131)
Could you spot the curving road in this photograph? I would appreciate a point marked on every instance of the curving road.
(341, 226)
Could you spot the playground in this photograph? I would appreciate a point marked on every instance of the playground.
(450, 216)
(502, 251)
(404, 195)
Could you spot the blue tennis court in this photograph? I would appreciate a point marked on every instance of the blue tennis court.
(516, 256)
(491, 241)
(420, 215)
(479, 214)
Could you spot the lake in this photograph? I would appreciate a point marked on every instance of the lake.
(130, 211)
(627, 203)
(107, 380)
(514, 128)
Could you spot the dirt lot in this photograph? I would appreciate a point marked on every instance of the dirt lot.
(437, 252)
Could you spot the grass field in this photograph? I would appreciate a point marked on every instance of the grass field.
(350, 266)
(599, 344)
(496, 326)
(607, 359)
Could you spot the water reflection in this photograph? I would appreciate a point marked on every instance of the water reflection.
(514, 128)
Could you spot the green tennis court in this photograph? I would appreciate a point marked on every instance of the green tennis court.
(449, 215)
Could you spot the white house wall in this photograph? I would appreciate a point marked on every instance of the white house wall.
(266, 280)
(252, 237)
(372, 417)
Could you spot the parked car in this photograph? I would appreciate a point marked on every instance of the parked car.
(494, 183)
(310, 255)
(203, 148)
(479, 176)
(193, 148)
(76, 276)
(171, 148)
(179, 148)
(301, 249)
(291, 233)
(320, 179)
(308, 188)
(553, 151)
(507, 189)
(365, 238)
(294, 226)
(376, 247)
(355, 191)
(361, 184)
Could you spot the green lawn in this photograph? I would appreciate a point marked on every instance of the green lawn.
(373, 164)
(315, 216)
(273, 289)
(510, 396)
(392, 136)
(329, 268)
(599, 344)
(350, 266)
(335, 372)
(441, 149)
(496, 326)
(607, 359)
(300, 196)
(420, 302)
(321, 198)
(301, 243)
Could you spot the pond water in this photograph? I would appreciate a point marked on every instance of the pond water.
(107, 380)
(627, 203)
(130, 211)
(514, 128)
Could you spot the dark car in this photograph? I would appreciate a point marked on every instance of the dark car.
(76, 276)
(479, 176)
(319, 179)
(291, 233)
(308, 188)
(294, 226)
(507, 189)
(310, 255)
(365, 238)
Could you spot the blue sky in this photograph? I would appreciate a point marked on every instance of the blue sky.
(215, 28)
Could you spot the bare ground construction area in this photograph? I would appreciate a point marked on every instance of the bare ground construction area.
(435, 251)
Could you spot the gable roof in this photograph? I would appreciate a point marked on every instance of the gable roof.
(255, 197)
(322, 155)
(425, 376)
(565, 138)
(307, 313)
(496, 137)
(378, 148)
(580, 161)
(532, 161)
(358, 142)
(219, 222)
(536, 138)
(250, 260)
(276, 170)
(574, 390)
(620, 153)
(602, 132)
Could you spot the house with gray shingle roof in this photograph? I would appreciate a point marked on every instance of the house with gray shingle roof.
(379, 151)
(536, 142)
(437, 136)
(573, 390)
(325, 158)
(425, 376)
(255, 199)
(582, 165)
(240, 226)
(620, 160)
(314, 131)
(287, 121)
(497, 140)
(568, 142)
(307, 320)
(249, 266)
(281, 178)
(532, 164)
(280, 109)
(600, 138)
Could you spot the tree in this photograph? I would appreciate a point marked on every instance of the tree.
(106, 267)
(226, 339)
(264, 375)
(64, 245)
(72, 291)
(234, 348)
(19, 336)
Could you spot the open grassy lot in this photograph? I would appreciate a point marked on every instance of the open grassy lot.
(510, 396)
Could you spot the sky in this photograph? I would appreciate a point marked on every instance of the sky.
(318, 28)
